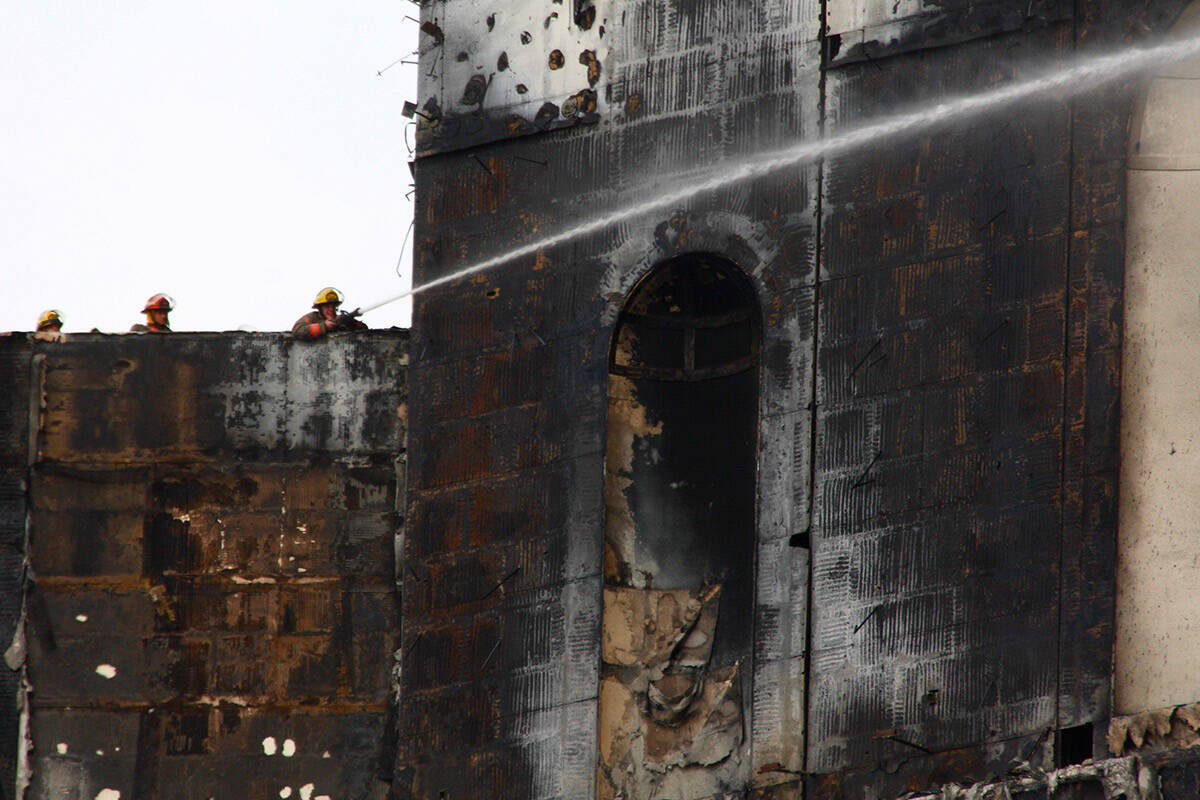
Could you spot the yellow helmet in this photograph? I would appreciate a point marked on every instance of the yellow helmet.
(48, 320)
(328, 295)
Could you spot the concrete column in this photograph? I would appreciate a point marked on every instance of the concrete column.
(1158, 575)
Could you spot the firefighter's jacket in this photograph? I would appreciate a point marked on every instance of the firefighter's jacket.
(313, 326)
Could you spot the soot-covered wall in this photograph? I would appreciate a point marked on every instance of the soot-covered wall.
(503, 605)
(935, 521)
(16, 353)
(212, 525)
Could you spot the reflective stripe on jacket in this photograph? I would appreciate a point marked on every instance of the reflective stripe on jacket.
(313, 326)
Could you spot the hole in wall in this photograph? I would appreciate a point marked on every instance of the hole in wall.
(1073, 745)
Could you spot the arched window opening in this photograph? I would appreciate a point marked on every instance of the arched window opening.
(687, 320)
(680, 488)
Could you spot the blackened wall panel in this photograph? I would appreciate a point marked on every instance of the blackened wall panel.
(967, 389)
(214, 520)
(17, 365)
(871, 29)
(510, 382)
(938, 509)
(967, 311)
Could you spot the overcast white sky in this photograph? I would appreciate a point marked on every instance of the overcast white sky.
(236, 155)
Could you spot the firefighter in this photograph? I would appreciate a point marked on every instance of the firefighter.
(50, 321)
(326, 318)
(156, 311)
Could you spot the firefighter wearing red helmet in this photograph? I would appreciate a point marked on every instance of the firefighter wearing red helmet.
(156, 311)
(326, 318)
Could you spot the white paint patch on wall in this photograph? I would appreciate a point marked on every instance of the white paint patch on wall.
(343, 397)
(847, 16)
(269, 746)
(510, 45)
(108, 794)
(106, 671)
(289, 748)
(880, 21)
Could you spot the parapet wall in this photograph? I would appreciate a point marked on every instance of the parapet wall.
(212, 524)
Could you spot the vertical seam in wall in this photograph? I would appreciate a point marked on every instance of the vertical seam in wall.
(1064, 435)
(37, 402)
(1134, 110)
(814, 367)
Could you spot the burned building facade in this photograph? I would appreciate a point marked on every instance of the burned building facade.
(868, 477)
(204, 529)
(806, 484)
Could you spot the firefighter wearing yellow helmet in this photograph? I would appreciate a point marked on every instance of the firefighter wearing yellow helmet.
(50, 321)
(326, 318)
(157, 309)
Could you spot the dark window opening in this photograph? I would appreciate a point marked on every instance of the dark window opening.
(1073, 745)
(683, 435)
(691, 319)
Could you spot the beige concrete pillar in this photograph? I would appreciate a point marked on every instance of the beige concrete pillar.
(1158, 573)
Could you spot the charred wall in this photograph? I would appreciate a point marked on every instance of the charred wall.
(16, 361)
(967, 417)
(938, 397)
(213, 520)
(503, 604)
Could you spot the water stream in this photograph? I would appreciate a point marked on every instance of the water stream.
(1083, 75)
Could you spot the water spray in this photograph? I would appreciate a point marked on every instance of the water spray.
(1085, 75)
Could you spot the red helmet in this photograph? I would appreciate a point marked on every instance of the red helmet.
(159, 302)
